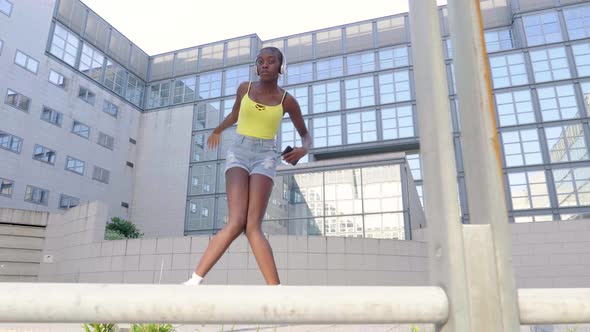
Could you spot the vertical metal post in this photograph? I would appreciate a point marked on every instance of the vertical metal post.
(481, 153)
(445, 237)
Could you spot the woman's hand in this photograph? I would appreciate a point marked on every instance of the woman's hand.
(213, 140)
(294, 156)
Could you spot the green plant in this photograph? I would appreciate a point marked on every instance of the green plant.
(100, 327)
(152, 328)
(118, 229)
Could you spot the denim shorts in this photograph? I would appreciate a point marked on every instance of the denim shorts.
(255, 155)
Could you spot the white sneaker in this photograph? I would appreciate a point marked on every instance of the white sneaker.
(195, 280)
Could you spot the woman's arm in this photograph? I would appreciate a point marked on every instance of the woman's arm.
(292, 107)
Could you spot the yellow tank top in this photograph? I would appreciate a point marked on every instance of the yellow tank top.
(258, 120)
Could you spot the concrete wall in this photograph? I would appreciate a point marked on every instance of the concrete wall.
(22, 236)
(161, 172)
(27, 30)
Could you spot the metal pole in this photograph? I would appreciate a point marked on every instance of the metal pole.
(135, 303)
(481, 156)
(445, 237)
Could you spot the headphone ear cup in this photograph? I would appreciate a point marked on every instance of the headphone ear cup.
(256, 70)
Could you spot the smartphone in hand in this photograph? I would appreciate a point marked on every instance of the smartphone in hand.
(287, 150)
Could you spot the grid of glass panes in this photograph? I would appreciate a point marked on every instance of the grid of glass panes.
(301, 95)
(210, 85)
(233, 78)
(566, 143)
(299, 73)
(159, 94)
(394, 87)
(397, 122)
(577, 20)
(361, 127)
(290, 136)
(326, 97)
(558, 103)
(360, 63)
(64, 45)
(515, 107)
(528, 190)
(206, 115)
(521, 147)
(329, 68)
(184, 90)
(572, 186)
(393, 57)
(498, 40)
(327, 131)
(582, 58)
(542, 28)
(550, 64)
(508, 70)
(359, 92)
(91, 62)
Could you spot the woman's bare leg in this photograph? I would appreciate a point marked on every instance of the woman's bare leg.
(236, 184)
(259, 192)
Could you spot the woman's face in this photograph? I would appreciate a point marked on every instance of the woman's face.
(268, 64)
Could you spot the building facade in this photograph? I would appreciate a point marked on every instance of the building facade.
(87, 115)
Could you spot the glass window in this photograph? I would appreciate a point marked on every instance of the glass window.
(382, 190)
(415, 164)
(397, 122)
(391, 31)
(44, 154)
(87, 95)
(290, 136)
(134, 92)
(542, 28)
(115, 77)
(360, 63)
(528, 190)
(186, 62)
(535, 218)
(17, 100)
(359, 92)
(67, 202)
(5, 7)
(582, 58)
(329, 68)
(75, 165)
(100, 174)
(159, 94)
(57, 78)
(451, 78)
(64, 45)
(202, 178)
(299, 73)
(184, 89)
(91, 62)
(508, 70)
(211, 57)
(550, 64)
(200, 150)
(577, 20)
(521, 147)
(51, 116)
(515, 108)
(299, 48)
(327, 131)
(6, 187)
(233, 78)
(36, 195)
(343, 193)
(329, 42)
(393, 57)
(10, 142)
(359, 37)
(572, 186)
(80, 129)
(566, 143)
(206, 115)
(210, 85)
(361, 127)
(301, 94)
(558, 103)
(105, 140)
(498, 40)
(326, 97)
(394, 87)
(201, 213)
(26, 62)
(238, 51)
(110, 108)
(586, 94)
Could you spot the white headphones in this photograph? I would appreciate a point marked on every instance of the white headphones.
(282, 70)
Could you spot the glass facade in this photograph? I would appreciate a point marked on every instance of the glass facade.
(355, 86)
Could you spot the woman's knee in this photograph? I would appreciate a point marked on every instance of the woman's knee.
(236, 227)
(253, 230)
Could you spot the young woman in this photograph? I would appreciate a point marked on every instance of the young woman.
(251, 162)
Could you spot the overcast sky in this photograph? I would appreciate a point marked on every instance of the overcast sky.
(158, 26)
